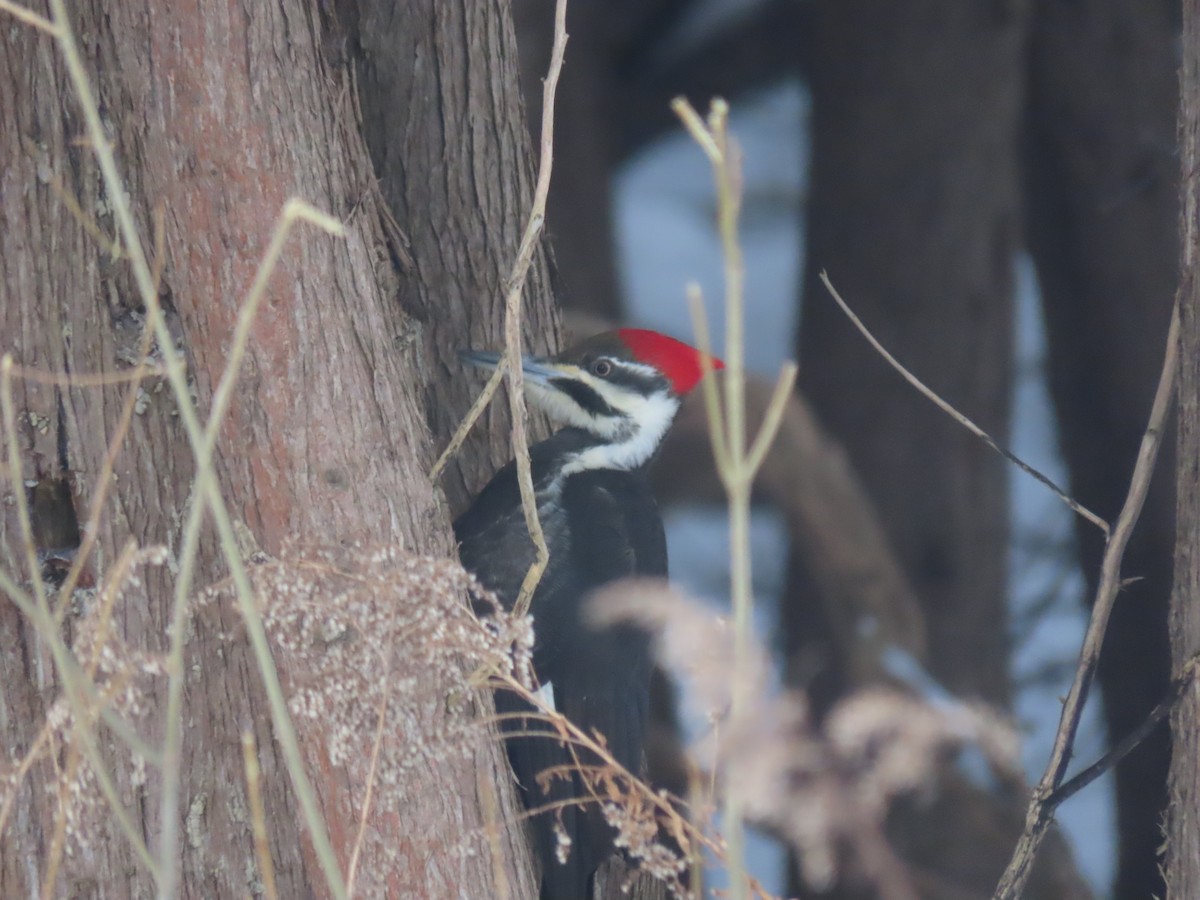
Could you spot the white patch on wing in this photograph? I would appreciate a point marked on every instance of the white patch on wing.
(545, 695)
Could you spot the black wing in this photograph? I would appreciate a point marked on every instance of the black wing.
(605, 527)
(600, 679)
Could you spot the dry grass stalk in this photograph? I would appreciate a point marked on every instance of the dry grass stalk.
(737, 464)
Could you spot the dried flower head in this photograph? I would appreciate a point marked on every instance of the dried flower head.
(826, 788)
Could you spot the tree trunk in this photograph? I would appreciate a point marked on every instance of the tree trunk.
(1182, 864)
(218, 116)
(913, 212)
(1101, 212)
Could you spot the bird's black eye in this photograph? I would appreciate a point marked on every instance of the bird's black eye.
(602, 368)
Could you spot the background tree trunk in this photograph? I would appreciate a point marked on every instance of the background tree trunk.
(914, 212)
(1182, 863)
(886, 156)
(218, 119)
(1101, 210)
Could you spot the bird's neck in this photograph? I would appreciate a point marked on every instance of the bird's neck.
(624, 448)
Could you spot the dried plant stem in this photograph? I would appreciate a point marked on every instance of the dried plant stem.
(485, 786)
(37, 610)
(736, 464)
(104, 477)
(572, 736)
(29, 17)
(958, 417)
(258, 816)
(1040, 814)
(93, 379)
(58, 839)
(372, 772)
(206, 492)
(77, 687)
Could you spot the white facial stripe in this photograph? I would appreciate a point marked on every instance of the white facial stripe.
(634, 430)
(651, 417)
(559, 407)
(639, 368)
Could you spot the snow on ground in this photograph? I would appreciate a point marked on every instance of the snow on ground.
(664, 214)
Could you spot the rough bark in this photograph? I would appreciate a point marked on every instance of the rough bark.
(1101, 201)
(219, 115)
(1182, 864)
(442, 116)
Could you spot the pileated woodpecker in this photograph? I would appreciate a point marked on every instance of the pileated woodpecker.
(617, 394)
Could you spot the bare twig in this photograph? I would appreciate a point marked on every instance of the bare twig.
(472, 416)
(1185, 679)
(958, 417)
(1040, 814)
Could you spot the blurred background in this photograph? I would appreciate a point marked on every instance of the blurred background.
(992, 186)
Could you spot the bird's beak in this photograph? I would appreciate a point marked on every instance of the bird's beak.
(538, 371)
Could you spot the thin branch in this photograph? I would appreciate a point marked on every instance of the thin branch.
(715, 416)
(772, 418)
(736, 463)
(1185, 679)
(512, 316)
(962, 420)
(472, 416)
(1039, 815)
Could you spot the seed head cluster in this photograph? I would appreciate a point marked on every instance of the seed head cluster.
(110, 678)
(378, 647)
